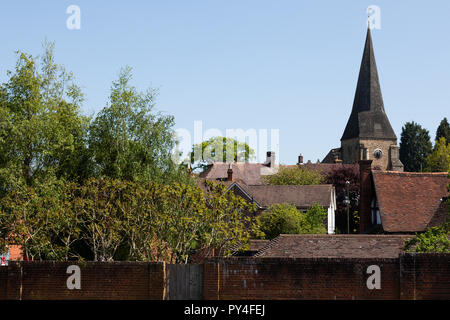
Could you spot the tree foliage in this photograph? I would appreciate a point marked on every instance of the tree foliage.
(294, 176)
(41, 128)
(439, 159)
(285, 218)
(221, 149)
(150, 222)
(415, 146)
(443, 131)
(128, 140)
(434, 239)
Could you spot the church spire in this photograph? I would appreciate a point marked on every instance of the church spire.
(368, 118)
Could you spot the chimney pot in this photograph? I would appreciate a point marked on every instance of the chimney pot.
(230, 172)
(270, 159)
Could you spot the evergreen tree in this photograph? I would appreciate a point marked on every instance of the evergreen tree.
(415, 146)
(443, 130)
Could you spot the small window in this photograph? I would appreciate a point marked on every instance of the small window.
(375, 212)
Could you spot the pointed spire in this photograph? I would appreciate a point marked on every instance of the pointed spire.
(368, 118)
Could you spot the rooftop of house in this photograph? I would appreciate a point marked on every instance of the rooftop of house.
(252, 173)
(302, 197)
(248, 172)
(410, 202)
(334, 246)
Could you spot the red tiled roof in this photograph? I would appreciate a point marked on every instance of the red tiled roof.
(334, 246)
(250, 173)
(410, 202)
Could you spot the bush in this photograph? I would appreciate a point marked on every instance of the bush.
(286, 219)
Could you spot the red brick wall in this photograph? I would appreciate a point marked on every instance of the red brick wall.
(425, 276)
(411, 276)
(3, 282)
(114, 280)
(268, 278)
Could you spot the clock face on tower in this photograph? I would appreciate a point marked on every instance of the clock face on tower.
(377, 153)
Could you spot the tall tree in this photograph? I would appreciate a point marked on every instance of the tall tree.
(443, 131)
(130, 141)
(41, 128)
(415, 146)
(222, 149)
(439, 159)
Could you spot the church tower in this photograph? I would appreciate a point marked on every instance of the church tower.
(368, 134)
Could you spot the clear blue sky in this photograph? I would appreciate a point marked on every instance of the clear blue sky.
(287, 65)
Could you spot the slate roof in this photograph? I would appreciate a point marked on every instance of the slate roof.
(410, 202)
(368, 118)
(333, 246)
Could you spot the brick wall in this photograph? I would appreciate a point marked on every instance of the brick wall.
(411, 276)
(268, 278)
(425, 276)
(112, 280)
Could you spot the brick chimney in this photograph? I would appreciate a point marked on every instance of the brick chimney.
(270, 159)
(365, 185)
(230, 172)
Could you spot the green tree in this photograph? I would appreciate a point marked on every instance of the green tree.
(434, 239)
(443, 131)
(41, 222)
(41, 128)
(439, 159)
(415, 146)
(123, 220)
(314, 220)
(279, 219)
(285, 218)
(129, 141)
(222, 149)
(294, 176)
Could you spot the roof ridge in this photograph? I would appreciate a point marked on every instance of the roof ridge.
(399, 173)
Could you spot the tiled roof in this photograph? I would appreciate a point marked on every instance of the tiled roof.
(300, 196)
(410, 202)
(257, 244)
(250, 173)
(334, 246)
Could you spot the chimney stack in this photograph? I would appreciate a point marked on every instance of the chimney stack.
(270, 159)
(300, 159)
(230, 172)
